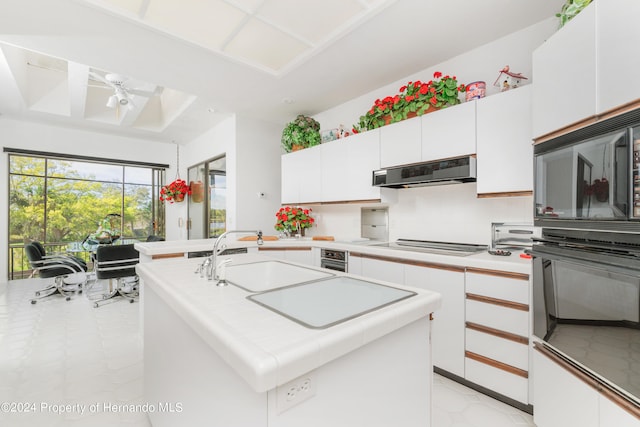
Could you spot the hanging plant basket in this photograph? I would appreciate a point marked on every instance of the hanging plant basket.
(175, 192)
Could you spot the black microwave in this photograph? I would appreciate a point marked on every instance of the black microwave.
(589, 179)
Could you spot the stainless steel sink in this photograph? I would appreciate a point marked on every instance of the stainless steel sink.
(265, 275)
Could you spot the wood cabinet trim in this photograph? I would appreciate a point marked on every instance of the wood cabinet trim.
(497, 273)
(285, 248)
(498, 302)
(334, 202)
(173, 255)
(455, 268)
(498, 333)
(604, 389)
(629, 106)
(505, 194)
(496, 364)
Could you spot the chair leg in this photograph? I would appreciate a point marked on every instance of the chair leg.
(120, 291)
(59, 287)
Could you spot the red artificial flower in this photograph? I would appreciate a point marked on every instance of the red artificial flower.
(306, 211)
(433, 100)
(409, 98)
(437, 75)
(432, 90)
(424, 89)
(403, 88)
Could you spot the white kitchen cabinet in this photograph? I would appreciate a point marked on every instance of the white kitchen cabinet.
(564, 69)
(448, 322)
(400, 143)
(383, 270)
(497, 331)
(347, 166)
(612, 415)
(560, 398)
(504, 146)
(302, 255)
(617, 66)
(450, 132)
(301, 176)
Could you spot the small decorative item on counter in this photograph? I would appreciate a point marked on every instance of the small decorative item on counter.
(293, 220)
(342, 133)
(301, 133)
(476, 90)
(508, 80)
(175, 192)
(415, 99)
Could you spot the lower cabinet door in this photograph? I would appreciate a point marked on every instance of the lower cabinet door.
(499, 380)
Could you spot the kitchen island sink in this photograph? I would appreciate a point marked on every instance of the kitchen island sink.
(266, 275)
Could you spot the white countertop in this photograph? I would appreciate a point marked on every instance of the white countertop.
(263, 347)
(483, 260)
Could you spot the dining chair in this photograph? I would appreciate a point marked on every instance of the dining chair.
(117, 262)
(69, 274)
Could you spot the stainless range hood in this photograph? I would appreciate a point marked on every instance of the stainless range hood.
(438, 172)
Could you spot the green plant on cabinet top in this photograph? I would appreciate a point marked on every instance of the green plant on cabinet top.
(301, 133)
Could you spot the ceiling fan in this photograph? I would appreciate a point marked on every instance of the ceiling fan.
(122, 92)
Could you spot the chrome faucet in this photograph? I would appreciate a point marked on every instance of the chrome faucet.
(212, 267)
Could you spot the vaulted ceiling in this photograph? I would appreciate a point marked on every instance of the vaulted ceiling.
(180, 67)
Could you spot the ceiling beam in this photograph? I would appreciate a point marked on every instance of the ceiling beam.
(78, 75)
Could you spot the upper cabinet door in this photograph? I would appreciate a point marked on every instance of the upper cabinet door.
(618, 61)
(400, 143)
(564, 72)
(301, 176)
(505, 151)
(450, 132)
(347, 167)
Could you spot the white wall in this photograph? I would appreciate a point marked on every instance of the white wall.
(63, 140)
(253, 165)
(258, 157)
(483, 63)
(450, 212)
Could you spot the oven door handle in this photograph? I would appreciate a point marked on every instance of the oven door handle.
(600, 259)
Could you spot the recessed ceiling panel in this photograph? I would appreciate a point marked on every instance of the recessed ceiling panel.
(249, 6)
(207, 23)
(132, 6)
(263, 44)
(312, 20)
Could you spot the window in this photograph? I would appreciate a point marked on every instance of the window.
(58, 201)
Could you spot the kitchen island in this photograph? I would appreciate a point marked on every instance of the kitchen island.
(214, 357)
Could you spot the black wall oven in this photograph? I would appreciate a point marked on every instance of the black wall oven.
(586, 264)
(590, 179)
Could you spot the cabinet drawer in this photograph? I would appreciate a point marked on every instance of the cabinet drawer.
(501, 349)
(495, 316)
(498, 286)
(498, 380)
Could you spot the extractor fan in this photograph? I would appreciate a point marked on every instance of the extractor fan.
(122, 92)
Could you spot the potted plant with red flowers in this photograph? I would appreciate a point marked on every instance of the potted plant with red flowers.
(175, 192)
(599, 189)
(414, 99)
(293, 220)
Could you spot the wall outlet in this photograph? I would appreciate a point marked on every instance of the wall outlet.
(295, 392)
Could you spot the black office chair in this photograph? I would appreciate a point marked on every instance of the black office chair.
(154, 238)
(117, 262)
(69, 273)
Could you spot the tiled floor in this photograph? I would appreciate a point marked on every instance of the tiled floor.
(64, 363)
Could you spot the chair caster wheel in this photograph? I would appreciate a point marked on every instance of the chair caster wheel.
(38, 294)
(131, 301)
(96, 305)
(80, 291)
(33, 301)
(68, 298)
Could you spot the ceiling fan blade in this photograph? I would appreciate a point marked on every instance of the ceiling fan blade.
(144, 93)
(100, 79)
(100, 86)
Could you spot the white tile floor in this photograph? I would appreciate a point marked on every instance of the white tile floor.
(59, 358)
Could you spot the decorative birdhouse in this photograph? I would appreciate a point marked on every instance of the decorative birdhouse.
(508, 80)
